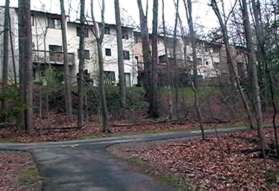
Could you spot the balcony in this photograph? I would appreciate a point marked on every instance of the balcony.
(50, 57)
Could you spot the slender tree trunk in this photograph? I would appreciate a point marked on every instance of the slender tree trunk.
(13, 52)
(252, 61)
(176, 81)
(122, 85)
(169, 74)
(6, 52)
(263, 59)
(99, 35)
(231, 63)
(102, 93)
(25, 62)
(188, 8)
(154, 111)
(147, 58)
(67, 80)
(81, 66)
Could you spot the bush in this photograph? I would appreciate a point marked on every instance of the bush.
(11, 95)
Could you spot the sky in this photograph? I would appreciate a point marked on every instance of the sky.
(203, 14)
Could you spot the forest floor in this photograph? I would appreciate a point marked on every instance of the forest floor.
(92, 130)
(58, 127)
(18, 172)
(230, 162)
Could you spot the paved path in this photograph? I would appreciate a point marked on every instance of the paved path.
(87, 166)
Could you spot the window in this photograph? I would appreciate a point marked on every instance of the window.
(109, 77)
(206, 63)
(32, 20)
(137, 39)
(86, 32)
(126, 55)
(55, 48)
(55, 53)
(54, 23)
(125, 34)
(128, 79)
(108, 52)
(215, 50)
(86, 54)
(107, 30)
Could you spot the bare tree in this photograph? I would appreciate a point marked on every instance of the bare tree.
(188, 8)
(99, 32)
(176, 81)
(81, 65)
(262, 57)
(252, 61)
(25, 63)
(147, 58)
(231, 62)
(67, 80)
(5, 51)
(169, 73)
(122, 85)
(155, 61)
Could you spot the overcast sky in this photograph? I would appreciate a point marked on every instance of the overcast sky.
(203, 14)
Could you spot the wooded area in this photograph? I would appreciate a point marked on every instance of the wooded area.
(51, 93)
(257, 92)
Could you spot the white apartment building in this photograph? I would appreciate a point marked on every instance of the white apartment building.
(47, 47)
(47, 51)
(208, 54)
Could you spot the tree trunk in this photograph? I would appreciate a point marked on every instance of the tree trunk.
(154, 113)
(188, 8)
(5, 52)
(102, 93)
(25, 63)
(176, 81)
(81, 66)
(12, 51)
(147, 58)
(122, 85)
(252, 61)
(67, 79)
(263, 59)
(99, 35)
(231, 63)
(169, 73)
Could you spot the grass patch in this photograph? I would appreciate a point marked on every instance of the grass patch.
(29, 177)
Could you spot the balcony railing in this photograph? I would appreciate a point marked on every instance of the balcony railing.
(50, 57)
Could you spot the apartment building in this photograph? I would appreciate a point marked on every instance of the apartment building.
(47, 52)
(47, 48)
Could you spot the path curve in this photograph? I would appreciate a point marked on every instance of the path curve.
(86, 165)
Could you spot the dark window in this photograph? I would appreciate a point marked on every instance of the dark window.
(86, 32)
(55, 48)
(109, 77)
(86, 54)
(199, 61)
(32, 20)
(216, 50)
(128, 79)
(107, 30)
(125, 34)
(206, 62)
(126, 55)
(108, 52)
(137, 40)
(55, 53)
(54, 23)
